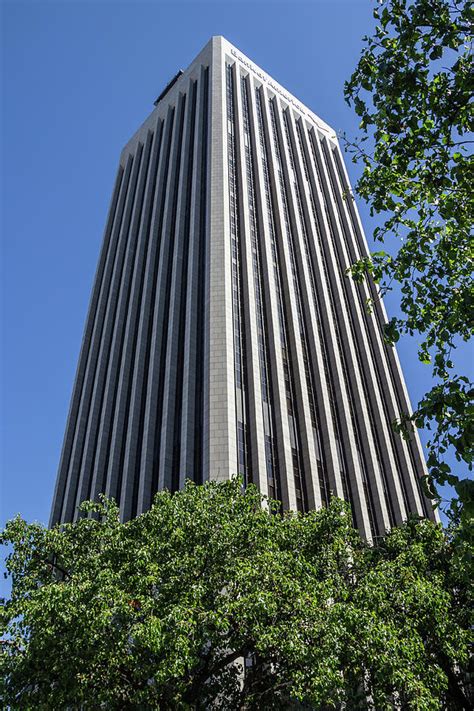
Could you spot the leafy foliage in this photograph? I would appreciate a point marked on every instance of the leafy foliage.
(412, 89)
(162, 611)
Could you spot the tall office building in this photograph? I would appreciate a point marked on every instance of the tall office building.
(223, 334)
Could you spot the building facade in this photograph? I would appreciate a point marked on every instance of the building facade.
(223, 335)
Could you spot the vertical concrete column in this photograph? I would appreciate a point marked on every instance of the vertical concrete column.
(191, 424)
(295, 354)
(270, 275)
(124, 353)
(385, 357)
(156, 367)
(317, 345)
(125, 405)
(324, 285)
(139, 385)
(349, 346)
(220, 450)
(109, 408)
(309, 306)
(100, 353)
(302, 278)
(101, 398)
(171, 403)
(370, 363)
(367, 368)
(254, 414)
(97, 297)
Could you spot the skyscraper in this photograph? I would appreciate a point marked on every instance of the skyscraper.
(223, 335)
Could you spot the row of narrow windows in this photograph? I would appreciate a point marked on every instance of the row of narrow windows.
(120, 438)
(356, 435)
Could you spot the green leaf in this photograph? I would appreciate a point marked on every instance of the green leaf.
(418, 182)
(158, 612)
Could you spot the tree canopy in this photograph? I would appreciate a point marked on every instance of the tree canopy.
(165, 611)
(412, 89)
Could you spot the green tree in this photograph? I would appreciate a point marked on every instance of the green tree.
(412, 89)
(160, 612)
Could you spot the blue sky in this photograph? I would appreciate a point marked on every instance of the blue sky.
(78, 79)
